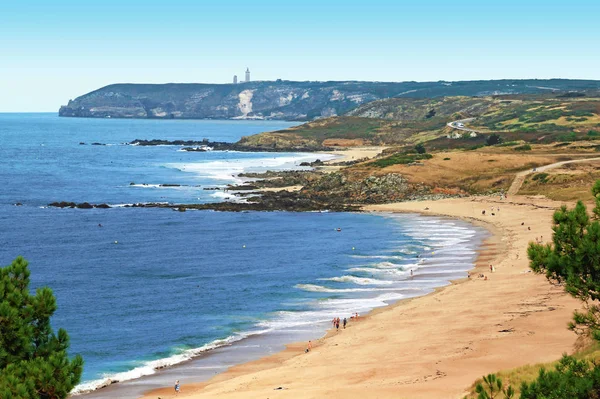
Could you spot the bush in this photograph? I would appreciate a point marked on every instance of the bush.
(475, 147)
(400, 159)
(572, 136)
(420, 148)
(541, 177)
(508, 144)
(446, 159)
(493, 139)
(525, 147)
(593, 133)
(572, 379)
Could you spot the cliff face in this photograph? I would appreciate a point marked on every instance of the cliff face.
(282, 100)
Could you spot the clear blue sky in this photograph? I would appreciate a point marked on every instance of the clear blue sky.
(51, 51)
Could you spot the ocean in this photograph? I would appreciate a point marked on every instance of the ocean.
(152, 295)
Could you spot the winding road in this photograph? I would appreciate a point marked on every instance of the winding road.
(460, 125)
(520, 177)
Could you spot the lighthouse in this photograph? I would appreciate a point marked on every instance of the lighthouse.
(247, 75)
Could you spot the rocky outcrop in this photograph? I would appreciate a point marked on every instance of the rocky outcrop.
(247, 144)
(283, 100)
(81, 205)
(339, 186)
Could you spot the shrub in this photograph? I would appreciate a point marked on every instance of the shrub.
(420, 148)
(475, 147)
(524, 147)
(541, 177)
(400, 159)
(508, 144)
(446, 159)
(572, 379)
(493, 139)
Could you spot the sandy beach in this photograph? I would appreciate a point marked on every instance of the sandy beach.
(433, 346)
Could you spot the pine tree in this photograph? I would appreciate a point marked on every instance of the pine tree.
(33, 360)
(573, 260)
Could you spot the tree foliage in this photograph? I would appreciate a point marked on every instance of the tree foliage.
(493, 139)
(420, 148)
(33, 359)
(573, 260)
(574, 379)
(492, 387)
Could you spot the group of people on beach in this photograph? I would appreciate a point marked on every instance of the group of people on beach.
(336, 322)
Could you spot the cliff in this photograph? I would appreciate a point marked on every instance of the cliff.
(283, 100)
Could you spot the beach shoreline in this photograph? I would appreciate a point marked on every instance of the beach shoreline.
(440, 367)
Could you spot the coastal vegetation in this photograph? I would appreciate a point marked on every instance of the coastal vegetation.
(572, 260)
(492, 120)
(33, 359)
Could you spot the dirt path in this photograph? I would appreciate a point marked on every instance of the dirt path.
(520, 177)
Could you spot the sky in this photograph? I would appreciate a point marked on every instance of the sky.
(53, 51)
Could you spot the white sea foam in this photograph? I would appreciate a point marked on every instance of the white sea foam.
(391, 265)
(228, 170)
(320, 288)
(358, 280)
(394, 257)
(153, 366)
(226, 196)
(372, 270)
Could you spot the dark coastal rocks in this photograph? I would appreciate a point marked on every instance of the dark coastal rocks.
(366, 190)
(318, 162)
(200, 146)
(81, 205)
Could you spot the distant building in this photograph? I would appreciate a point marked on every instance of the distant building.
(247, 74)
(234, 79)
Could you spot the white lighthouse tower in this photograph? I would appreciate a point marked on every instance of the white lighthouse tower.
(247, 75)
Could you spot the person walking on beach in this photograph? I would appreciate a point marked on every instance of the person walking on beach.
(333, 321)
(345, 322)
(337, 324)
(308, 347)
(177, 387)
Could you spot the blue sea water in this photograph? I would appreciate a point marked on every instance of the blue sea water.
(140, 289)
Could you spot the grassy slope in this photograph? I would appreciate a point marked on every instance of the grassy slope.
(530, 372)
(572, 181)
(404, 121)
(486, 169)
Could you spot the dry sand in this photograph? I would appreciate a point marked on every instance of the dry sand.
(354, 153)
(434, 346)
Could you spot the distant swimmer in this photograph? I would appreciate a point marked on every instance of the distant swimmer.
(339, 229)
(411, 272)
(99, 224)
